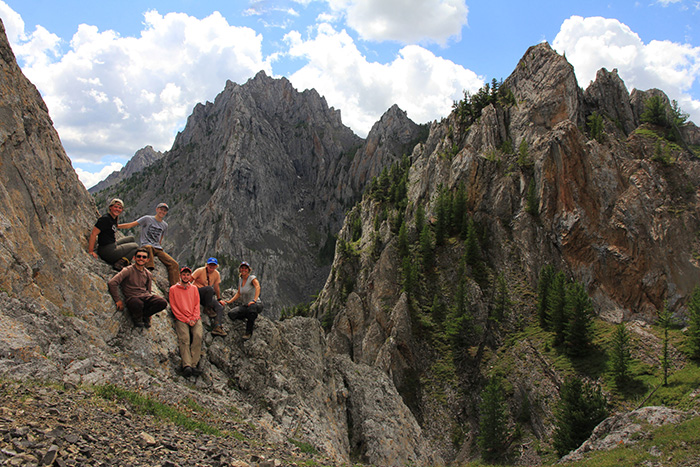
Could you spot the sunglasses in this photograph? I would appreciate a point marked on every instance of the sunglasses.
(141, 256)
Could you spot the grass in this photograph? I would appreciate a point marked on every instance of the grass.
(303, 447)
(150, 406)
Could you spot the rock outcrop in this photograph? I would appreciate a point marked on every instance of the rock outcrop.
(142, 158)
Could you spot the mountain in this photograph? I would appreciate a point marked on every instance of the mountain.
(431, 293)
(141, 159)
(264, 174)
(528, 182)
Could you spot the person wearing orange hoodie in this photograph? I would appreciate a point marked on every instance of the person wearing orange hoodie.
(184, 303)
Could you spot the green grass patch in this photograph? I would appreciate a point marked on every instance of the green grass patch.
(303, 446)
(150, 406)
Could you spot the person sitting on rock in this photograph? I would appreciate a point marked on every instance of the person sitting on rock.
(184, 303)
(208, 281)
(118, 253)
(249, 292)
(153, 229)
(135, 282)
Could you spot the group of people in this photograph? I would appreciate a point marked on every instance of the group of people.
(188, 289)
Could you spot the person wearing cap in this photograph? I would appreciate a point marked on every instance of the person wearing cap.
(135, 283)
(103, 242)
(184, 303)
(249, 293)
(153, 229)
(208, 282)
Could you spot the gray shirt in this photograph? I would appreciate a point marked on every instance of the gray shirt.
(152, 231)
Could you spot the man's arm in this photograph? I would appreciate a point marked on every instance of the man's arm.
(113, 286)
(128, 225)
(217, 287)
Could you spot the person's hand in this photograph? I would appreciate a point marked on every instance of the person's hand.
(223, 302)
(94, 255)
(120, 305)
(251, 303)
(192, 323)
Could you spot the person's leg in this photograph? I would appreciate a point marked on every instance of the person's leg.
(251, 315)
(197, 332)
(135, 307)
(170, 264)
(152, 305)
(182, 330)
(150, 263)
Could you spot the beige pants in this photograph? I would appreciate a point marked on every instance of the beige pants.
(189, 340)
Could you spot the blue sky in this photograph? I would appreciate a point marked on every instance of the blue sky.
(120, 75)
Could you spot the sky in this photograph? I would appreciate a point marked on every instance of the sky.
(120, 75)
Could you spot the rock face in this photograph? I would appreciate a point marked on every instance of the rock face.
(143, 158)
(60, 325)
(264, 174)
(606, 212)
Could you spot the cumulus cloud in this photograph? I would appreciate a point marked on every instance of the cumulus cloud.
(112, 95)
(405, 21)
(419, 82)
(90, 179)
(593, 43)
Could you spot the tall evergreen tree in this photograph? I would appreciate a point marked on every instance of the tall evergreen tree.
(693, 335)
(620, 355)
(426, 249)
(493, 421)
(544, 286)
(654, 111)
(556, 307)
(501, 302)
(579, 313)
(402, 241)
(580, 409)
(420, 218)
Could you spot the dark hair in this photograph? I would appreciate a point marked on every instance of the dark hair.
(141, 250)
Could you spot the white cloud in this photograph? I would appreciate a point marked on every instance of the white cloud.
(111, 95)
(405, 21)
(419, 82)
(90, 179)
(593, 43)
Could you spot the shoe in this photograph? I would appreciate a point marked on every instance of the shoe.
(218, 331)
(247, 336)
(138, 324)
(120, 264)
(196, 371)
(187, 371)
(147, 322)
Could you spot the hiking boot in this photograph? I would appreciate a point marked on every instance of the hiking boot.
(196, 371)
(247, 336)
(120, 264)
(147, 322)
(138, 324)
(187, 371)
(218, 331)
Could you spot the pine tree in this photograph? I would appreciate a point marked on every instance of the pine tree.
(402, 241)
(443, 212)
(556, 307)
(693, 335)
(544, 286)
(420, 218)
(426, 248)
(620, 356)
(493, 420)
(580, 409)
(579, 314)
(654, 111)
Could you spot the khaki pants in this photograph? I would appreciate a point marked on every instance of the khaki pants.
(167, 260)
(189, 340)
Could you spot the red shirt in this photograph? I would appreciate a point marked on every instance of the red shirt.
(184, 302)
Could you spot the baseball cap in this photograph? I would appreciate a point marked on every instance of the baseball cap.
(163, 205)
(185, 268)
(245, 263)
(116, 201)
(212, 260)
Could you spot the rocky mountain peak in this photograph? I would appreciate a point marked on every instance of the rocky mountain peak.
(609, 96)
(141, 159)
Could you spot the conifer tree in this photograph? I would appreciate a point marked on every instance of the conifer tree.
(556, 307)
(579, 314)
(493, 420)
(620, 356)
(693, 335)
(426, 248)
(544, 286)
(420, 218)
(501, 302)
(580, 409)
(402, 241)
(444, 214)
